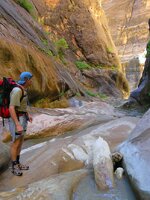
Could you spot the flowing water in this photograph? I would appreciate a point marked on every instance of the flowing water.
(87, 190)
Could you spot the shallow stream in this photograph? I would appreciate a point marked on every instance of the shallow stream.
(87, 190)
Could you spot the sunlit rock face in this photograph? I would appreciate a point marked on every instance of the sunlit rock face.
(133, 70)
(136, 157)
(17, 58)
(26, 43)
(26, 47)
(84, 25)
(52, 123)
(128, 22)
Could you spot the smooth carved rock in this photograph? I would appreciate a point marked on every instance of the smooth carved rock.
(51, 188)
(68, 153)
(4, 157)
(102, 164)
(136, 157)
(48, 123)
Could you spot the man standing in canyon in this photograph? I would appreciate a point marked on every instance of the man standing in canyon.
(18, 120)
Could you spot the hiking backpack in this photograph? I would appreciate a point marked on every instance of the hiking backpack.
(6, 86)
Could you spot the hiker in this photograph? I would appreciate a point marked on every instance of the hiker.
(18, 120)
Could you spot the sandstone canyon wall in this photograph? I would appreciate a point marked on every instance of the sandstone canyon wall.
(128, 22)
(84, 25)
(28, 43)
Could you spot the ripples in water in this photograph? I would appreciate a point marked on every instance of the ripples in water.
(87, 190)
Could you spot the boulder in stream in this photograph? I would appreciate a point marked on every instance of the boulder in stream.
(102, 164)
(136, 153)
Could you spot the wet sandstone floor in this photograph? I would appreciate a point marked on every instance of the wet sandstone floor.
(87, 190)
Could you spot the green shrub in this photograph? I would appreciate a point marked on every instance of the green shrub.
(82, 65)
(49, 52)
(41, 20)
(102, 96)
(91, 93)
(78, 94)
(110, 50)
(61, 44)
(48, 32)
(45, 42)
(26, 5)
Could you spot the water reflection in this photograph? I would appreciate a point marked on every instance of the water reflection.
(87, 190)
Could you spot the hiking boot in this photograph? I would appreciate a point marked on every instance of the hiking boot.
(16, 170)
(23, 167)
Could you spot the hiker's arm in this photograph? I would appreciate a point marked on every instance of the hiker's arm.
(15, 118)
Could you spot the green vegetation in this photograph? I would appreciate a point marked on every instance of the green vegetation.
(48, 32)
(82, 65)
(49, 52)
(41, 20)
(99, 66)
(100, 95)
(26, 5)
(78, 94)
(61, 44)
(91, 93)
(47, 103)
(45, 42)
(110, 50)
(106, 67)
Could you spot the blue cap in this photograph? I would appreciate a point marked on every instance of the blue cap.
(24, 76)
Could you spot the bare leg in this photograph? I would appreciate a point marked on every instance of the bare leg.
(20, 145)
(21, 166)
(15, 148)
